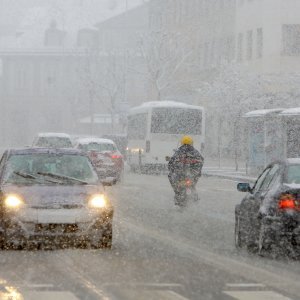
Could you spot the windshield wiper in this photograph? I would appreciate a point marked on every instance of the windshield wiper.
(61, 177)
(25, 175)
(30, 176)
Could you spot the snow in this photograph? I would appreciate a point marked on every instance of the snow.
(292, 185)
(54, 134)
(163, 104)
(293, 161)
(263, 112)
(291, 112)
(85, 141)
(70, 16)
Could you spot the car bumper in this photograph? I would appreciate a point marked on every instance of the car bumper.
(41, 224)
(288, 227)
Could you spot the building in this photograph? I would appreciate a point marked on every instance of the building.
(52, 74)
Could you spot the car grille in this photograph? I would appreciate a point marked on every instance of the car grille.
(56, 228)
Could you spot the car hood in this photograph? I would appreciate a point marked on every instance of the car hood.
(53, 196)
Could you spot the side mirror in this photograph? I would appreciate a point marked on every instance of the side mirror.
(108, 181)
(244, 187)
(168, 158)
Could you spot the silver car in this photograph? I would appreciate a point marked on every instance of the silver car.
(52, 196)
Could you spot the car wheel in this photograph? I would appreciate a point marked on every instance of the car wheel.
(237, 233)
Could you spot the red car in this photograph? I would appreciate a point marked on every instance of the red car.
(105, 156)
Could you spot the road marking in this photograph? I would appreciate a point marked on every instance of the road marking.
(245, 285)
(142, 284)
(251, 295)
(137, 294)
(29, 295)
(36, 286)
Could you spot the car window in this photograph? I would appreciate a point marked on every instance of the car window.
(260, 180)
(293, 174)
(270, 176)
(100, 147)
(54, 142)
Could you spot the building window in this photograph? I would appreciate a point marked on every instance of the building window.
(249, 44)
(291, 39)
(240, 47)
(259, 43)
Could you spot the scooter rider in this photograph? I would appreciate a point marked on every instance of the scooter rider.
(185, 152)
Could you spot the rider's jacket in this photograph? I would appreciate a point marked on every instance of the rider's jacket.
(186, 154)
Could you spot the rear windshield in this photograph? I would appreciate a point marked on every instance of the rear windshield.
(70, 165)
(97, 147)
(54, 142)
(293, 174)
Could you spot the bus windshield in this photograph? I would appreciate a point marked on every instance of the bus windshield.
(176, 121)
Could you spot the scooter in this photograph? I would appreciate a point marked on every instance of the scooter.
(185, 185)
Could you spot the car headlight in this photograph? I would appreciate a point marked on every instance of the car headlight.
(98, 201)
(13, 201)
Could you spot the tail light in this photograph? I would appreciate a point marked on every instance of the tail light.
(116, 156)
(188, 182)
(288, 202)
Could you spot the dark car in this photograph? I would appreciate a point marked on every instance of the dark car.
(268, 218)
(52, 195)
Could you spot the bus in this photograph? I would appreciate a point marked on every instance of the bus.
(155, 129)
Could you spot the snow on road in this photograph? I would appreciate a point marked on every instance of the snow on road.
(158, 253)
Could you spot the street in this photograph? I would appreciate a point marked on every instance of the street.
(158, 252)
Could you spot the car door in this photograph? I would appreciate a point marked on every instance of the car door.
(249, 209)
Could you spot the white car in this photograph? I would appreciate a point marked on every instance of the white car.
(53, 140)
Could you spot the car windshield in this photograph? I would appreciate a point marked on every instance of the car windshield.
(293, 174)
(99, 147)
(54, 142)
(49, 168)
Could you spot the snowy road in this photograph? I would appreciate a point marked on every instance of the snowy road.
(158, 253)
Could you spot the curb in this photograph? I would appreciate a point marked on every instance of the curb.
(230, 177)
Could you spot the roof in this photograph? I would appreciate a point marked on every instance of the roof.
(291, 112)
(293, 161)
(54, 134)
(163, 104)
(263, 112)
(35, 150)
(84, 141)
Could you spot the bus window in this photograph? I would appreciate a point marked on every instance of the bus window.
(137, 127)
(176, 121)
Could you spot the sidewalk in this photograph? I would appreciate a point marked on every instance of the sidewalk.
(226, 169)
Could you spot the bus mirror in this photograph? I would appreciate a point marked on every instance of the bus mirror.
(168, 158)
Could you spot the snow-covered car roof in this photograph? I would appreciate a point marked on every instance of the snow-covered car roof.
(164, 104)
(291, 112)
(84, 141)
(54, 134)
(263, 112)
(293, 161)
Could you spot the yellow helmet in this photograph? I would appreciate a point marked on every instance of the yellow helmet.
(187, 140)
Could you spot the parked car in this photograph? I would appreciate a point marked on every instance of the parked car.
(53, 140)
(268, 218)
(104, 154)
(52, 196)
